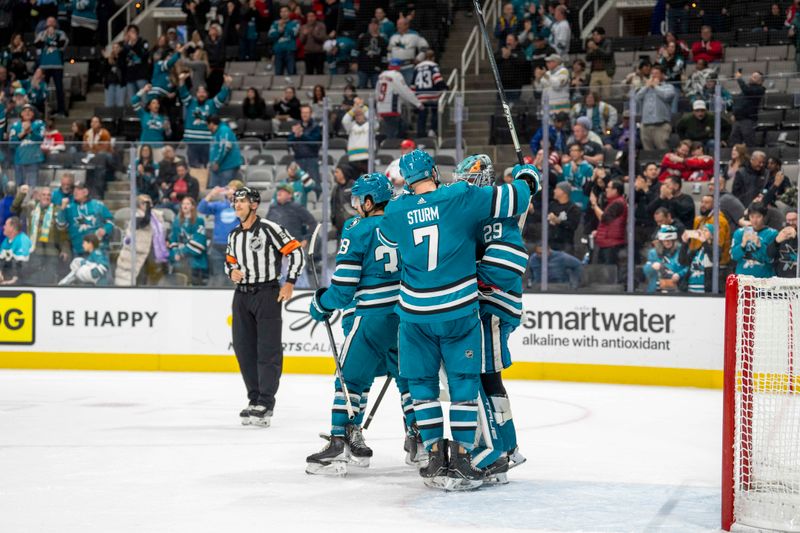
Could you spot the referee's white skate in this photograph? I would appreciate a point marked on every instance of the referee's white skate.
(260, 416)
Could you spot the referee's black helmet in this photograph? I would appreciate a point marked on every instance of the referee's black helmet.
(246, 192)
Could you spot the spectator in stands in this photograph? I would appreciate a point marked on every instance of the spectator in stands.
(168, 167)
(65, 189)
(197, 63)
(224, 157)
(136, 54)
(563, 216)
(575, 172)
(161, 82)
(53, 142)
(540, 51)
(706, 216)
(655, 101)
(339, 53)
(579, 81)
(341, 210)
(155, 126)
(709, 91)
(562, 267)
(663, 270)
(784, 248)
(751, 244)
(560, 32)
(707, 49)
(283, 36)
(16, 56)
(305, 141)
(581, 134)
(287, 107)
(218, 203)
(513, 68)
(391, 93)
(554, 84)
(15, 252)
(196, 12)
(100, 155)
(92, 267)
(248, 30)
(113, 78)
(188, 243)
(794, 31)
(26, 137)
(404, 47)
(312, 37)
(151, 247)
(729, 205)
(694, 85)
(36, 89)
(681, 46)
(198, 109)
(698, 125)
(751, 178)
(699, 166)
(147, 174)
(645, 191)
(254, 107)
(507, 24)
(385, 26)
(620, 134)
(673, 65)
(610, 235)
(745, 109)
(678, 16)
(559, 131)
(295, 218)
(50, 44)
(698, 257)
(214, 45)
(371, 48)
(77, 129)
(300, 182)
(82, 216)
(84, 22)
(356, 125)
(740, 155)
(39, 215)
(602, 116)
(525, 35)
(672, 197)
(776, 183)
(638, 78)
(600, 56)
(184, 185)
(318, 103)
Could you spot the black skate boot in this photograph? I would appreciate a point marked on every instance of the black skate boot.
(260, 416)
(331, 460)
(244, 414)
(434, 473)
(461, 475)
(359, 451)
(497, 472)
(416, 454)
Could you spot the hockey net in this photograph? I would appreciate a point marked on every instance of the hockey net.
(761, 443)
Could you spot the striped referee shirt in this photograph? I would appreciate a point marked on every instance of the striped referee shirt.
(258, 252)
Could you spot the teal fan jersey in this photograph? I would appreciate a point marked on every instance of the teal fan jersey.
(436, 234)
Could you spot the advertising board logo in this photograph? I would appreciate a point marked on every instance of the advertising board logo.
(17, 317)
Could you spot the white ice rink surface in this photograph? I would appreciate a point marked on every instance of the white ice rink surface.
(153, 452)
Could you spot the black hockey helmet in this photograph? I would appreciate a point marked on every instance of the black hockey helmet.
(246, 192)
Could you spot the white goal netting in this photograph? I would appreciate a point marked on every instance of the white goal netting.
(766, 465)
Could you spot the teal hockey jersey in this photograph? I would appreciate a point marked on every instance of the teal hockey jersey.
(436, 234)
(503, 260)
(367, 271)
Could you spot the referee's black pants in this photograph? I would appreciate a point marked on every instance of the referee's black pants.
(257, 342)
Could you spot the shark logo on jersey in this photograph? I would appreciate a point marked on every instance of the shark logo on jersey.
(256, 244)
(468, 354)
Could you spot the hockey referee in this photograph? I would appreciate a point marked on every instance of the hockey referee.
(253, 261)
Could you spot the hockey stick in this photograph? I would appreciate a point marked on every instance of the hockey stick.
(500, 92)
(311, 247)
(378, 401)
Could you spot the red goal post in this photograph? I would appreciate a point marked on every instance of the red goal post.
(761, 405)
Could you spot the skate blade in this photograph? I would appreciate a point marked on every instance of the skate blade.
(513, 462)
(260, 422)
(333, 469)
(245, 421)
(360, 462)
(454, 484)
(411, 461)
(436, 482)
(496, 479)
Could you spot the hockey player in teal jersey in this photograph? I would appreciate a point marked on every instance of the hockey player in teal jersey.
(502, 262)
(367, 273)
(435, 231)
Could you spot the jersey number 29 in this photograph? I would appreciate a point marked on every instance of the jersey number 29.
(492, 232)
(432, 234)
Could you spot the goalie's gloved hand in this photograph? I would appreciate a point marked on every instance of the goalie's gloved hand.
(317, 311)
(530, 174)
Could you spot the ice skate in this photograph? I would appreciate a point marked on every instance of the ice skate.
(416, 454)
(331, 460)
(244, 414)
(260, 416)
(360, 453)
(497, 472)
(515, 458)
(461, 475)
(434, 473)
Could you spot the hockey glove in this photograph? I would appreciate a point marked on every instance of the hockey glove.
(530, 174)
(316, 309)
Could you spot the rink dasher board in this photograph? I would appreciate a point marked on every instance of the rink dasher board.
(648, 340)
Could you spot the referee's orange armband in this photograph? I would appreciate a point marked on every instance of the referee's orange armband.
(290, 247)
